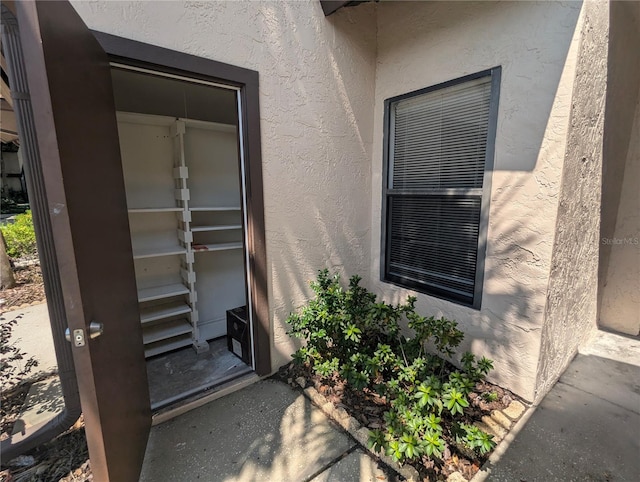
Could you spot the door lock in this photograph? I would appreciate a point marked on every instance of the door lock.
(78, 340)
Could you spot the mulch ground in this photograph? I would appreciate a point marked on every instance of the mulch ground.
(368, 408)
(64, 458)
(29, 290)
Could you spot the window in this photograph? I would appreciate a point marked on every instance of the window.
(438, 158)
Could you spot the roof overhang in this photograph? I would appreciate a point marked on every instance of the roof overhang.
(8, 125)
(330, 6)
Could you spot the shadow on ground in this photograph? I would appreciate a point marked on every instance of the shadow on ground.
(43, 403)
(264, 432)
(586, 428)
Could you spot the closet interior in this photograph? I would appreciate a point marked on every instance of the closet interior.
(183, 177)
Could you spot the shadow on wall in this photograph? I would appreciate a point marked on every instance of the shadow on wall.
(508, 329)
(619, 285)
(317, 180)
(535, 103)
(620, 277)
(326, 157)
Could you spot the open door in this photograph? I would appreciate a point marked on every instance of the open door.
(71, 108)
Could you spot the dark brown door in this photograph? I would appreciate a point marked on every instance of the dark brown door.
(74, 118)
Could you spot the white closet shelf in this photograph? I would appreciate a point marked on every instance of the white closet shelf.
(154, 252)
(214, 208)
(201, 248)
(216, 228)
(165, 331)
(189, 197)
(163, 311)
(213, 126)
(166, 345)
(160, 292)
(155, 210)
(145, 119)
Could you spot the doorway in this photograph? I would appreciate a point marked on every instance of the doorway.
(184, 181)
(205, 115)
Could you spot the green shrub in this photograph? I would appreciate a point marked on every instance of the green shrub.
(349, 332)
(20, 236)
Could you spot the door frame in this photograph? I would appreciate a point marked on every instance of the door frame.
(33, 174)
(132, 53)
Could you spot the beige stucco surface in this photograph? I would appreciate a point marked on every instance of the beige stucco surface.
(620, 309)
(323, 82)
(423, 44)
(571, 304)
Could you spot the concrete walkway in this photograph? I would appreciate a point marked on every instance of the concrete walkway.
(587, 428)
(264, 432)
(32, 334)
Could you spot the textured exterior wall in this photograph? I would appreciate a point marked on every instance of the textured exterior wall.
(423, 44)
(620, 308)
(619, 264)
(323, 82)
(316, 103)
(571, 306)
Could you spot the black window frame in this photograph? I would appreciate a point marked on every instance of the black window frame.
(483, 193)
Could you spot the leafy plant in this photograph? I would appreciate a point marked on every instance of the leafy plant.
(350, 332)
(490, 396)
(20, 236)
(472, 437)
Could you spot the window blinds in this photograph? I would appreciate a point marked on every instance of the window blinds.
(440, 138)
(434, 242)
(437, 152)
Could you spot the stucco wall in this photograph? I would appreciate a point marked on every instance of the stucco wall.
(620, 309)
(571, 307)
(316, 103)
(323, 82)
(619, 263)
(423, 44)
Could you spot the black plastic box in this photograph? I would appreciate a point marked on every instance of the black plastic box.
(238, 339)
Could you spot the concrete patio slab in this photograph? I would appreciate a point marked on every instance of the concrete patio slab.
(263, 432)
(612, 346)
(586, 428)
(617, 382)
(573, 436)
(356, 466)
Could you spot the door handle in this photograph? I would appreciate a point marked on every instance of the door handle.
(95, 330)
